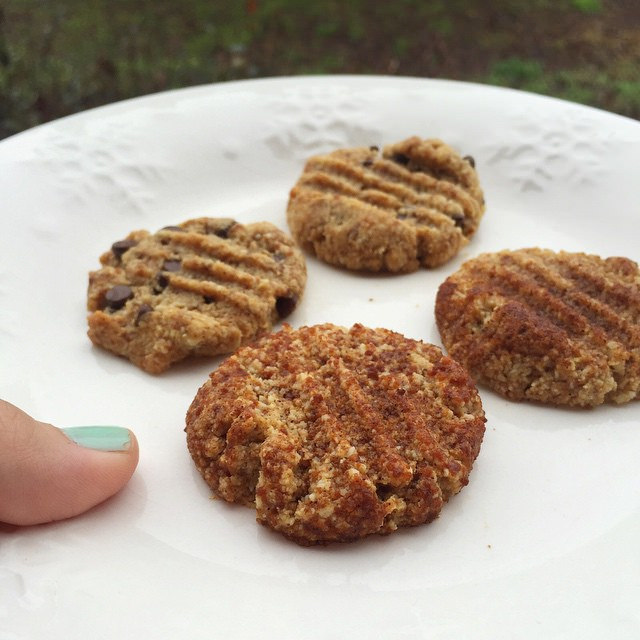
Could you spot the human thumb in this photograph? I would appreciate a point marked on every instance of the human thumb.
(50, 474)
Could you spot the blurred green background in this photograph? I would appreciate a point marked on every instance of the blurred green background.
(60, 57)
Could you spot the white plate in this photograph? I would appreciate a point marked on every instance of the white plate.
(544, 542)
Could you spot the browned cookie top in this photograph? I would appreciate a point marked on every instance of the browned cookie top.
(203, 288)
(561, 328)
(334, 434)
(414, 204)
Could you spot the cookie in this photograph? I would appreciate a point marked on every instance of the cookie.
(414, 204)
(559, 328)
(202, 288)
(334, 434)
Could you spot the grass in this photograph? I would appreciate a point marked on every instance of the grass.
(588, 6)
(587, 84)
(60, 57)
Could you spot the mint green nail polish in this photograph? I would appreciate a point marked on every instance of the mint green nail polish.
(103, 438)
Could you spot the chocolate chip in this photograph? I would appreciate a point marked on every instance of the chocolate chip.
(117, 296)
(165, 241)
(285, 305)
(374, 147)
(278, 257)
(143, 309)
(161, 283)
(367, 163)
(223, 233)
(171, 265)
(208, 299)
(470, 160)
(401, 158)
(222, 227)
(122, 246)
(459, 219)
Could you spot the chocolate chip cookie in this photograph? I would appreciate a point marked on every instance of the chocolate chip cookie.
(413, 204)
(334, 434)
(553, 327)
(200, 288)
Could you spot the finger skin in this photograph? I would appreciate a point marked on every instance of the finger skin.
(44, 476)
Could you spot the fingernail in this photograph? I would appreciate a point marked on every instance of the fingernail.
(102, 438)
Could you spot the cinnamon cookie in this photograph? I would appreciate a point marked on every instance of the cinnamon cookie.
(202, 288)
(414, 204)
(560, 328)
(334, 434)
